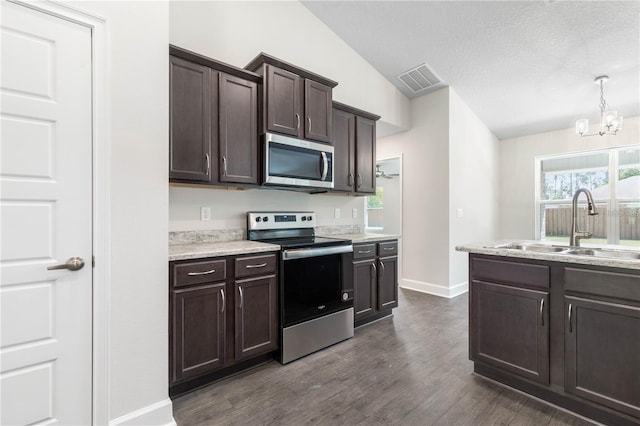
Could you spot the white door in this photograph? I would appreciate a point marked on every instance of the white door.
(46, 218)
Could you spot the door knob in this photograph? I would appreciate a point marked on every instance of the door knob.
(73, 264)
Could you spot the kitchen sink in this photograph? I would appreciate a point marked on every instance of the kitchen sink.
(539, 248)
(576, 251)
(608, 253)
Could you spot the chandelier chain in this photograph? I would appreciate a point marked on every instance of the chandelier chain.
(603, 103)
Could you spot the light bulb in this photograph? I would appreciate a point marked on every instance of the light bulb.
(608, 117)
(582, 126)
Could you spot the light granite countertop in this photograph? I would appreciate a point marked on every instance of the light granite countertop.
(202, 250)
(491, 249)
(363, 237)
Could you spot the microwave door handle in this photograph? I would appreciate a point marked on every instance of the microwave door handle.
(325, 165)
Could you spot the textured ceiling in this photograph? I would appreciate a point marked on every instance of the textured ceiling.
(522, 66)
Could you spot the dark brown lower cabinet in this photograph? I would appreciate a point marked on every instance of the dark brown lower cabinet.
(256, 316)
(602, 353)
(564, 332)
(198, 328)
(510, 329)
(364, 281)
(223, 315)
(375, 280)
(387, 282)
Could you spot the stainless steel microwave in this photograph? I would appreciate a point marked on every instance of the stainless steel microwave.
(295, 162)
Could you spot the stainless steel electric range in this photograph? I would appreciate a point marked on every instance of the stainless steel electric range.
(315, 282)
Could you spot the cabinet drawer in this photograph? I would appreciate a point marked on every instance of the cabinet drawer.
(389, 248)
(602, 283)
(199, 272)
(256, 265)
(502, 271)
(364, 251)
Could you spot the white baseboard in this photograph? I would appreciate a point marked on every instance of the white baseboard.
(435, 289)
(158, 414)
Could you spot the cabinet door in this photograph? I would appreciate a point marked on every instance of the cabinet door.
(365, 155)
(238, 130)
(510, 329)
(284, 102)
(317, 109)
(256, 316)
(344, 137)
(387, 282)
(198, 334)
(364, 283)
(192, 95)
(602, 353)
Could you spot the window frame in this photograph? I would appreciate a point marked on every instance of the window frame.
(612, 203)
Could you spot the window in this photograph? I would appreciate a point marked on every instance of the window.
(375, 209)
(613, 178)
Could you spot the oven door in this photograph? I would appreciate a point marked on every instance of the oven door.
(296, 162)
(315, 283)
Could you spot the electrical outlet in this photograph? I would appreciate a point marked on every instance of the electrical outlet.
(354, 213)
(336, 213)
(205, 213)
(459, 212)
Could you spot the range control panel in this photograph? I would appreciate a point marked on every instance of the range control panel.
(280, 220)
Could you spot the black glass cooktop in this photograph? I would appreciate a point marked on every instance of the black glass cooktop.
(301, 242)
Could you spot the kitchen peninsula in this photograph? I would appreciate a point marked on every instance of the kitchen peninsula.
(560, 323)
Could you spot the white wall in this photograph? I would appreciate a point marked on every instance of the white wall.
(138, 315)
(425, 213)
(450, 162)
(473, 185)
(236, 32)
(229, 207)
(517, 170)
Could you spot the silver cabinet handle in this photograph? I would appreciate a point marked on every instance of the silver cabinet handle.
(350, 181)
(262, 265)
(364, 251)
(224, 302)
(387, 248)
(297, 121)
(325, 165)
(375, 269)
(241, 297)
(74, 263)
(224, 165)
(207, 158)
(194, 274)
(569, 317)
(382, 269)
(542, 311)
(309, 118)
(359, 179)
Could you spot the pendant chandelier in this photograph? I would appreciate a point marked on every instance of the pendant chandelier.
(610, 121)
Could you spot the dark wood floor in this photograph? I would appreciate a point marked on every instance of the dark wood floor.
(411, 369)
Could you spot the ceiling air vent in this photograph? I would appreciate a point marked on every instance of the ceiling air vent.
(419, 78)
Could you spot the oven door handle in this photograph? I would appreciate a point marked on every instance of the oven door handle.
(302, 253)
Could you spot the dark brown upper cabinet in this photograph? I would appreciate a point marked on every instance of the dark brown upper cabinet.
(238, 130)
(296, 102)
(191, 115)
(354, 140)
(283, 109)
(213, 121)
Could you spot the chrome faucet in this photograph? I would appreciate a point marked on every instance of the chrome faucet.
(576, 236)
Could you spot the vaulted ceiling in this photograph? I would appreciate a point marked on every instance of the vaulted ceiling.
(523, 67)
